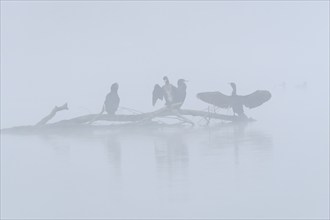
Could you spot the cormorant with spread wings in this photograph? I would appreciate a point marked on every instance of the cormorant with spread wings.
(236, 102)
(172, 95)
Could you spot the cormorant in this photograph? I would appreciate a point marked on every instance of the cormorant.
(167, 92)
(112, 100)
(180, 92)
(235, 101)
(236, 104)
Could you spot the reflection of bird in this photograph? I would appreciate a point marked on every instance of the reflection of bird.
(171, 93)
(112, 100)
(235, 101)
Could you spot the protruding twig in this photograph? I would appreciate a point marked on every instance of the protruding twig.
(52, 114)
(97, 116)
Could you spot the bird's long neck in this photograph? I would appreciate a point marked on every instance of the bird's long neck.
(182, 86)
(114, 91)
(234, 91)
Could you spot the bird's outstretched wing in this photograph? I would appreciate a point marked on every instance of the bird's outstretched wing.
(215, 98)
(158, 93)
(256, 99)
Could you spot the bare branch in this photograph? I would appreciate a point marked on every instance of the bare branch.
(52, 114)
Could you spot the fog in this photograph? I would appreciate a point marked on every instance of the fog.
(276, 167)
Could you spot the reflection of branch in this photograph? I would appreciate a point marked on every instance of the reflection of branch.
(52, 114)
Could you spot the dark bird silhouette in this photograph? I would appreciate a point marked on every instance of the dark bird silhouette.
(166, 92)
(180, 93)
(236, 102)
(112, 100)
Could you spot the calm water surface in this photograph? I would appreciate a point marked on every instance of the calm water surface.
(273, 168)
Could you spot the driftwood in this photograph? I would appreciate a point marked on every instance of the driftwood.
(85, 121)
(147, 116)
(52, 114)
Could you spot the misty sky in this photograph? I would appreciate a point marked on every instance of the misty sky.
(55, 52)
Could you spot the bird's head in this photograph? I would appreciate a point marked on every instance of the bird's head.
(181, 82)
(233, 85)
(114, 87)
(165, 78)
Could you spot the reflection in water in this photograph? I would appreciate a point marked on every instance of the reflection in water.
(255, 140)
(60, 148)
(172, 161)
(113, 148)
(240, 137)
(179, 161)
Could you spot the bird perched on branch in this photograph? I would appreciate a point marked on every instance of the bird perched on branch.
(236, 102)
(174, 96)
(112, 100)
(180, 93)
(165, 92)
